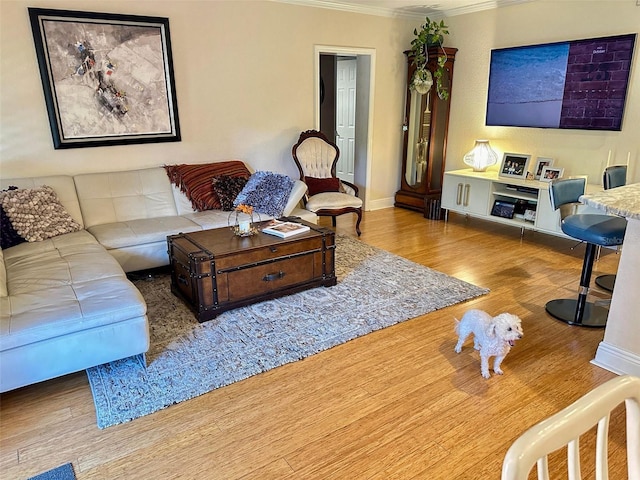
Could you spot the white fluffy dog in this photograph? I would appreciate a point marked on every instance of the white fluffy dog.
(493, 336)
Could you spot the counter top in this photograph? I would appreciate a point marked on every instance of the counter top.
(623, 201)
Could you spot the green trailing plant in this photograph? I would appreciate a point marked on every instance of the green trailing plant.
(431, 34)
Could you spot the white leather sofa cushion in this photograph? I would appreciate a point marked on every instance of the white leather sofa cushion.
(141, 231)
(79, 263)
(183, 204)
(141, 257)
(122, 196)
(30, 248)
(63, 185)
(57, 292)
(77, 307)
(213, 218)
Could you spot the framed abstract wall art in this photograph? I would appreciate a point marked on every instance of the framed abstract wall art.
(107, 78)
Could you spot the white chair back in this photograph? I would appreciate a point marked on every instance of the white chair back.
(316, 157)
(566, 427)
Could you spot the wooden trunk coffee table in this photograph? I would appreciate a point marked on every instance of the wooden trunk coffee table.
(214, 270)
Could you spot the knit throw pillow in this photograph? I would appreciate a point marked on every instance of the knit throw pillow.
(36, 213)
(266, 192)
(227, 189)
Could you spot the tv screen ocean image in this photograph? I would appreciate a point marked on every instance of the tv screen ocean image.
(526, 85)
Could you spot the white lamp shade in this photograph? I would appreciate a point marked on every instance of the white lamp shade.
(481, 156)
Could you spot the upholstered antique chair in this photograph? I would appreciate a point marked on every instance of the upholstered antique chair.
(593, 229)
(565, 428)
(614, 176)
(328, 196)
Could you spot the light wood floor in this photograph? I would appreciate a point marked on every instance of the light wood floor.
(397, 403)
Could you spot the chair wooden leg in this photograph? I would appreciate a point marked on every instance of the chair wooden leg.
(359, 213)
(333, 221)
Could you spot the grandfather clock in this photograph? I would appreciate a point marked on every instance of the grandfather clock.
(425, 139)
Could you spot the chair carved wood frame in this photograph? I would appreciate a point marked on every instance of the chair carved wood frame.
(316, 157)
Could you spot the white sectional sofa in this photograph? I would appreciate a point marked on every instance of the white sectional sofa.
(66, 303)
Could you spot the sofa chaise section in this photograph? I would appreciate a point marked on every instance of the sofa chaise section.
(69, 306)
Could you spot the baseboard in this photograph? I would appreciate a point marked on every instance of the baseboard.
(380, 204)
(617, 360)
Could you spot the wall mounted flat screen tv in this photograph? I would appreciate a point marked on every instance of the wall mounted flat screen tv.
(579, 84)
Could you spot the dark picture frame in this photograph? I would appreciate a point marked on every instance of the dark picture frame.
(515, 165)
(107, 78)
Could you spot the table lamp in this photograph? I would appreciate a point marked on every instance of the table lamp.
(481, 156)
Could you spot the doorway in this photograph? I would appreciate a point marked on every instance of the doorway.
(343, 94)
(338, 88)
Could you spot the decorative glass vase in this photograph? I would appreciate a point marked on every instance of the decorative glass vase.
(242, 221)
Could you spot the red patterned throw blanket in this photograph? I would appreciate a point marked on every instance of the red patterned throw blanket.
(196, 180)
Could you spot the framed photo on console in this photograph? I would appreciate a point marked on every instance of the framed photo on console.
(515, 165)
(107, 78)
(551, 173)
(541, 162)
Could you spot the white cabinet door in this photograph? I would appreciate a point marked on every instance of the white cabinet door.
(465, 195)
(452, 192)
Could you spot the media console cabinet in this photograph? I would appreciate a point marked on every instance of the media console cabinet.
(476, 193)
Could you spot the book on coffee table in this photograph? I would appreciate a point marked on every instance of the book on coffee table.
(285, 229)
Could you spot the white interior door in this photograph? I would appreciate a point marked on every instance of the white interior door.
(366, 66)
(346, 117)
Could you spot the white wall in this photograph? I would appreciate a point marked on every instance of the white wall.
(244, 76)
(579, 152)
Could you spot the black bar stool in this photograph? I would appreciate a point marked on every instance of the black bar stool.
(614, 176)
(594, 229)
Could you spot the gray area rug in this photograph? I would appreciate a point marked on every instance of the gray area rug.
(375, 289)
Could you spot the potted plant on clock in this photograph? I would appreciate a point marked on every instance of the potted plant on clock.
(431, 34)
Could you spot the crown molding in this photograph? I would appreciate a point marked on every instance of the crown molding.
(435, 12)
(355, 8)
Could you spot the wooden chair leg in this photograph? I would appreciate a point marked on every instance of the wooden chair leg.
(333, 221)
(359, 213)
